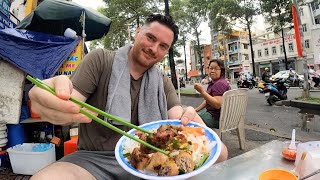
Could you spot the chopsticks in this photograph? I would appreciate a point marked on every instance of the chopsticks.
(83, 105)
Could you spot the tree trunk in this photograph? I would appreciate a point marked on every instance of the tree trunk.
(199, 52)
(171, 60)
(138, 21)
(225, 55)
(251, 50)
(185, 57)
(284, 50)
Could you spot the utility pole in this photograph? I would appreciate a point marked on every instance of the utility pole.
(306, 92)
(171, 60)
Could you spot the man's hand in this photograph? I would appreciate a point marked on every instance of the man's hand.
(190, 114)
(57, 109)
(198, 87)
(186, 115)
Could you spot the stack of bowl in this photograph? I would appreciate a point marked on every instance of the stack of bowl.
(3, 135)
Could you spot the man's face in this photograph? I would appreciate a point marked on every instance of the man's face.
(152, 42)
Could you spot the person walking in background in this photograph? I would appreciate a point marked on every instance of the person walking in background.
(209, 109)
(265, 75)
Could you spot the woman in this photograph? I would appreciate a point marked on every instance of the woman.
(209, 109)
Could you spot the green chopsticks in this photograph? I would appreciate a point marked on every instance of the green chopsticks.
(48, 88)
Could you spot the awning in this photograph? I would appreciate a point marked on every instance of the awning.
(35, 53)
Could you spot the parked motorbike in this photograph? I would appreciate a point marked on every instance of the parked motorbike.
(275, 91)
(182, 84)
(245, 84)
(261, 86)
(254, 83)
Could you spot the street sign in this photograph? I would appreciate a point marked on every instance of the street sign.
(5, 22)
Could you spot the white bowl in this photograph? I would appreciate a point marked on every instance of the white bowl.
(212, 136)
(3, 134)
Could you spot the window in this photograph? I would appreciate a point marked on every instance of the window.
(290, 47)
(245, 46)
(306, 43)
(304, 27)
(274, 50)
(301, 11)
(215, 47)
(266, 52)
(281, 49)
(259, 53)
(246, 57)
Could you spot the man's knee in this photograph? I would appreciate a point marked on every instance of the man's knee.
(62, 170)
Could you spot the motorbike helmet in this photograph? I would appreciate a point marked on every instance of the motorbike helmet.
(266, 69)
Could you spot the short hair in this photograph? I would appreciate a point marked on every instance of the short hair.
(164, 20)
(221, 65)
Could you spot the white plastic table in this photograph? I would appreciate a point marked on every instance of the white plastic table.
(249, 165)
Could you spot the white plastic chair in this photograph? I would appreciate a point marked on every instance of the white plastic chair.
(233, 113)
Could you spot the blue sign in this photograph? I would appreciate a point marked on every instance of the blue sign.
(6, 22)
(5, 7)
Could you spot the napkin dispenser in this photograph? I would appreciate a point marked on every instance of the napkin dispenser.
(307, 159)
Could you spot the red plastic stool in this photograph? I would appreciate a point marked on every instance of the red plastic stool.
(70, 146)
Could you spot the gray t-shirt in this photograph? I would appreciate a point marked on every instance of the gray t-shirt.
(91, 79)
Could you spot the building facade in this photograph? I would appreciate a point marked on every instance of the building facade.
(206, 55)
(232, 48)
(269, 50)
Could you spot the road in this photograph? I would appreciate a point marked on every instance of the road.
(275, 120)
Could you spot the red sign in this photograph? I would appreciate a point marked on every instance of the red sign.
(296, 30)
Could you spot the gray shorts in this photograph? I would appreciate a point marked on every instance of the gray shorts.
(101, 164)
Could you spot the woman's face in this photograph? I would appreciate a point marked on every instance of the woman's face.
(214, 71)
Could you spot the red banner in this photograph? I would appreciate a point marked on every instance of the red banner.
(297, 30)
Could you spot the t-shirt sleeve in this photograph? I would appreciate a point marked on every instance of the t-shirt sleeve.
(172, 97)
(86, 77)
(219, 88)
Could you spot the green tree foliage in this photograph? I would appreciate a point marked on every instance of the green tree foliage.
(279, 14)
(189, 14)
(124, 13)
(225, 13)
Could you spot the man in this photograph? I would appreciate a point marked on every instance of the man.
(314, 76)
(265, 75)
(293, 77)
(126, 84)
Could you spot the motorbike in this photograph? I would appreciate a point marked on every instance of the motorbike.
(275, 91)
(245, 84)
(311, 84)
(261, 86)
(181, 83)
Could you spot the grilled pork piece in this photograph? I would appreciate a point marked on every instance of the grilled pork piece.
(169, 168)
(163, 136)
(139, 160)
(157, 159)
